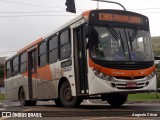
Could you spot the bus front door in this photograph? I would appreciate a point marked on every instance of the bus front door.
(32, 70)
(80, 60)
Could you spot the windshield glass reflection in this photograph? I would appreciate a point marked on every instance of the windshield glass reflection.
(114, 44)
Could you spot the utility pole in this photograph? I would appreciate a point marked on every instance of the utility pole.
(111, 2)
(97, 4)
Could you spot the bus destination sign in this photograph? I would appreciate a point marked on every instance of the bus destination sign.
(121, 18)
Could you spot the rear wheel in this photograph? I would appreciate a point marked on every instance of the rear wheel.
(66, 96)
(117, 100)
(22, 97)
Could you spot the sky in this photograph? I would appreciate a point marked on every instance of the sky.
(24, 21)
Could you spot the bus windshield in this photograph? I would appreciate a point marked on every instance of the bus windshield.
(120, 44)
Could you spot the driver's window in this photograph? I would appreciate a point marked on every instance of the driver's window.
(140, 44)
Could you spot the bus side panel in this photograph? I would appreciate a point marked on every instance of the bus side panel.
(8, 83)
(12, 86)
(44, 83)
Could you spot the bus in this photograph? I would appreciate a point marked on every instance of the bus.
(101, 54)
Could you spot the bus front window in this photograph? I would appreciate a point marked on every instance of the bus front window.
(110, 45)
(140, 45)
(113, 44)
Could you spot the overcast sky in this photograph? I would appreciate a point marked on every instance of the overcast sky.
(24, 21)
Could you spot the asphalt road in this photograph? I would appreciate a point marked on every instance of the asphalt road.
(86, 111)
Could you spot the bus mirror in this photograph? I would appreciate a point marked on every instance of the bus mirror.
(93, 38)
(87, 35)
(86, 31)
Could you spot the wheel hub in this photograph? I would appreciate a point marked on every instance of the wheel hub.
(67, 94)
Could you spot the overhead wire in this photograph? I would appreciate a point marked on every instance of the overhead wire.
(36, 15)
(29, 4)
(62, 7)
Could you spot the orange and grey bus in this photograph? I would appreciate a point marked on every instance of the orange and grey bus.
(104, 54)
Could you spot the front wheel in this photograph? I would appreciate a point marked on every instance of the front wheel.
(117, 100)
(66, 97)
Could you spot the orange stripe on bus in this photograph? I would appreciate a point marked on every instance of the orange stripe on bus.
(43, 73)
(122, 73)
(86, 14)
(30, 45)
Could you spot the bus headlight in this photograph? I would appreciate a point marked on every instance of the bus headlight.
(150, 76)
(102, 75)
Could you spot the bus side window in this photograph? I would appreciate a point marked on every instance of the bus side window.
(42, 60)
(8, 69)
(53, 49)
(65, 46)
(15, 62)
(23, 63)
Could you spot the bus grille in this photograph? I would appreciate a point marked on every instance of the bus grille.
(139, 85)
(129, 78)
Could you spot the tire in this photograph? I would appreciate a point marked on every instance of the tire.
(23, 101)
(117, 100)
(66, 97)
(58, 102)
(22, 97)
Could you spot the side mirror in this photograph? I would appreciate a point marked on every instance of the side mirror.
(86, 31)
(92, 36)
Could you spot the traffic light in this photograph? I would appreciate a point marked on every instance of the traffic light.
(70, 6)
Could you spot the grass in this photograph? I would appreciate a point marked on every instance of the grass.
(2, 97)
(144, 97)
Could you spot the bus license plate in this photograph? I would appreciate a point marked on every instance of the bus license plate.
(131, 85)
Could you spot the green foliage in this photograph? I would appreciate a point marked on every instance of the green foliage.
(143, 97)
(158, 80)
(2, 97)
(156, 50)
(158, 75)
(156, 46)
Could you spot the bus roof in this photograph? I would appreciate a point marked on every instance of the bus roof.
(83, 15)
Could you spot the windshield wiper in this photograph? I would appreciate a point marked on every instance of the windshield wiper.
(122, 43)
(116, 35)
(131, 38)
(112, 31)
(133, 35)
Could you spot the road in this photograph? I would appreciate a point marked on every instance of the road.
(87, 111)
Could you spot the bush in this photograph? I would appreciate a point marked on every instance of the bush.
(158, 75)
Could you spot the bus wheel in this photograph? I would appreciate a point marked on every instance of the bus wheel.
(117, 100)
(66, 96)
(22, 97)
(58, 102)
(23, 101)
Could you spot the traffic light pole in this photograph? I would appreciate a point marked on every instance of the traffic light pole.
(109, 2)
